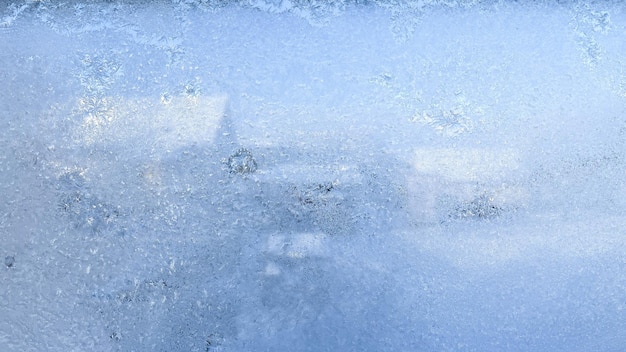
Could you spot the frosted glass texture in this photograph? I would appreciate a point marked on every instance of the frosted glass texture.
(287, 175)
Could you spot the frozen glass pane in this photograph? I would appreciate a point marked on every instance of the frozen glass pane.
(291, 175)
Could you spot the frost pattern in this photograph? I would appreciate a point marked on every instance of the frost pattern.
(82, 208)
(97, 76)
(373, 208)
(14, 12)
(317, 12)
(406, 15)
(588, 23)
(451, 118)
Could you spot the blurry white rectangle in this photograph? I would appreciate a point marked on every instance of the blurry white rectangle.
(464, 183)
(463, 165)
(166, 124)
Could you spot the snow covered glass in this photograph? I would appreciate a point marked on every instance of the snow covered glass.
(304, 175)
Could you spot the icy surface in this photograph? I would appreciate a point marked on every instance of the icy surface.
(289, 175)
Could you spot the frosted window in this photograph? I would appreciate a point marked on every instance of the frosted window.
(291, 175)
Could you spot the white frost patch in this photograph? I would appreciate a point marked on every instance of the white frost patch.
(302, 173)
(162, 125)
(466, 164)
(271, 269)
(298, 245)
(500, 246)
